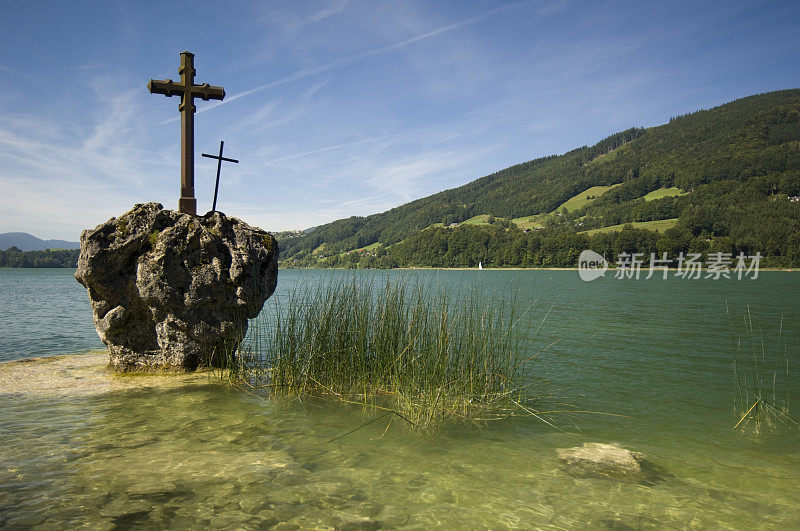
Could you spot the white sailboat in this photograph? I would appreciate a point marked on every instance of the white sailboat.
(480, 265)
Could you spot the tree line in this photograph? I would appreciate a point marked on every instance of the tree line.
(13, 257)
(769, 227)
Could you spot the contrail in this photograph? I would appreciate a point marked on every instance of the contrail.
(344, 61)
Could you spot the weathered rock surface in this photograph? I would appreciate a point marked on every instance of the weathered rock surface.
(169, 290)
(601, 458)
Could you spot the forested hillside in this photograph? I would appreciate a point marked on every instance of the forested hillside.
(724, 178)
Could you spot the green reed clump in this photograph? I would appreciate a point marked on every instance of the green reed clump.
(427, 357)
(761, 377)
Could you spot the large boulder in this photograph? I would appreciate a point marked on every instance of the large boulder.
(172, 291)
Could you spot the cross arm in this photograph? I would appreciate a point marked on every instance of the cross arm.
(220, 158)
(208, 92)
(167, 87)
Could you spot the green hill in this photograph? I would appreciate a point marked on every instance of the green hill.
(28, 242)
(721, 176)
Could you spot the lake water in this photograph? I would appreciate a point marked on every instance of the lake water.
(655, 353)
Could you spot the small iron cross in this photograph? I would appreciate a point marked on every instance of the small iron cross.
(219, 158)
(188, 91)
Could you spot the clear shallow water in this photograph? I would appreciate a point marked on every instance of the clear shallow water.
(655, 351)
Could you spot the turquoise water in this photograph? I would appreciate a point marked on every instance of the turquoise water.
(657, 353)
(44, 312)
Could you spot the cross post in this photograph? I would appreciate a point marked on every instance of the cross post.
(187, 90)
(219, 158)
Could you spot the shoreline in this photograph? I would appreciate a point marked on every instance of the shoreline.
(425, 268)
(643, 269)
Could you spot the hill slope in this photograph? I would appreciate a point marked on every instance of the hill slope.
(28, 242)
(725, 174)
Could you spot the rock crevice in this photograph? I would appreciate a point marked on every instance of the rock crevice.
(169, 290)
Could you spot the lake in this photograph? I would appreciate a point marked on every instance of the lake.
(650, 361)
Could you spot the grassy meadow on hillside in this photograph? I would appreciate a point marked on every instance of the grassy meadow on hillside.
(725, 174)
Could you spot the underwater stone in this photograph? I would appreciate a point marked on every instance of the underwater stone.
(151, 489)
(253, 502)
(602, 458)
(169, 290)
(330, 519)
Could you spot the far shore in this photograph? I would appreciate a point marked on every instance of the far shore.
(422, 268)
(611, 268)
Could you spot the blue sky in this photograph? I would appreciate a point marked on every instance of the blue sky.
(339, 108)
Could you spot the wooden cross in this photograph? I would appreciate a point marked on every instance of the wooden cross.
(188, 91)
(219, 158)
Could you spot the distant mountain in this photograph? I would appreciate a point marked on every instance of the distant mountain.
(28, 242)
(719, 180)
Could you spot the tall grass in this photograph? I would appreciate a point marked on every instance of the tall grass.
(423, 353)
(761, 377)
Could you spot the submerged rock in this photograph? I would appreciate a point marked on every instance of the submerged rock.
(601, 458)
(171, 290)
(151, 488)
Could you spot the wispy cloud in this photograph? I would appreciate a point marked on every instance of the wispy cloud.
(350, 59)
(350, 107)
(336, 7)
(337, 146)
(308, 94)
(112, 126)
(401, 178)
(51, 172)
